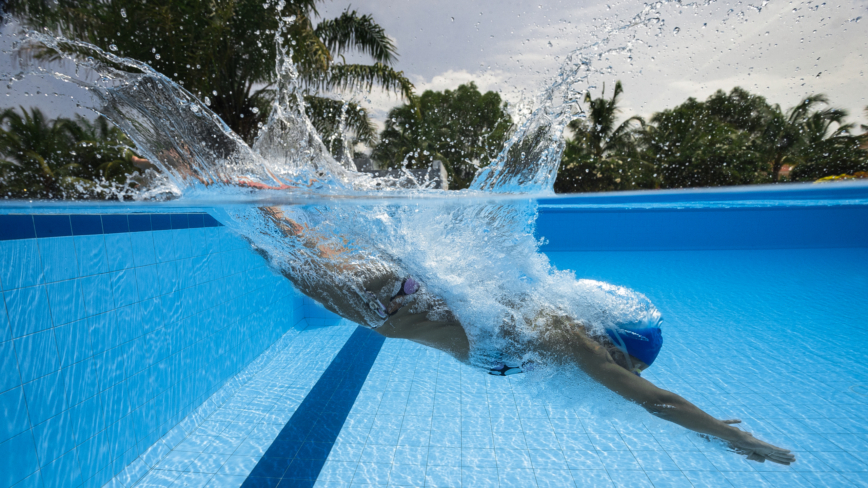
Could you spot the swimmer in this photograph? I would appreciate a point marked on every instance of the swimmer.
(371, 292)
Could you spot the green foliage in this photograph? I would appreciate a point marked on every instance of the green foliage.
(824, 151)
(61, 158)
(734, 138)
(602, 156)
(463, 128)
(224, 50)
(692, 146)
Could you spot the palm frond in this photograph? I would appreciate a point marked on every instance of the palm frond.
(359, 33)
(325, 115)
(364, 77)
(310, 54)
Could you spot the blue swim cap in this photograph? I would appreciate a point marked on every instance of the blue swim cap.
(643, 344)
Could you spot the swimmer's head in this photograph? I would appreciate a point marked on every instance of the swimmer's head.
(639, 340)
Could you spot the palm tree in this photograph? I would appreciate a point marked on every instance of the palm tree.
(783, 135)
(828, 147)
(224, 51)
(61, 158)
(35, 160)
(601, 155)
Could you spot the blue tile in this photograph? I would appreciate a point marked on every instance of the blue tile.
(111, 367)
(209, 221)
(183, 246)
(128, 323)
(17, 459)
(115, 403)
(119, 251)
(5, 328)
(13, 412)
(93, 454)
(54, 437)
(97, 293)
(197, 242)
(28, 310)
(124, 288)
(104, 333)
(86, 225)
(161, 222)
(147, 282)
(73, 342)
(32, 481)
(37, 355)
(143, 248)
(257, 482)
(87, 419)
(139, 222)
(196, 221)
(81, 381)
(91, 255)
(164, 246)
(62, 473)
(316, 450)
(180, 221)
(52, 225)
(59, 261)
(46, 397)
(9, 375)
(14, 227)
(67, 303)
(303, 469)
(22, 266)
(115, 224)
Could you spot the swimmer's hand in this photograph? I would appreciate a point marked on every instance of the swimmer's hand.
(757, 450)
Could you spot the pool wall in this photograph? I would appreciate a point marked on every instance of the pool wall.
(802, 218)
(116, 328)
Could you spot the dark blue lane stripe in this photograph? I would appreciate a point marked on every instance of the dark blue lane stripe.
(14, 227)
(300, 450)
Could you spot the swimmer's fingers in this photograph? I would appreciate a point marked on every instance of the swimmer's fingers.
(731, 421)
(757, 450)
(781, 457)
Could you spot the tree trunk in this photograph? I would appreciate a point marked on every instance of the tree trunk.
(777, 164)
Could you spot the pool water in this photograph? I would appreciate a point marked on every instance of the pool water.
(775, 338)
(150, 346)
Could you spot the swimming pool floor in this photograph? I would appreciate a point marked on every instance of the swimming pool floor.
(422, 419)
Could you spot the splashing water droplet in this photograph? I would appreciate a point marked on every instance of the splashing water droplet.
(676, 30)
(452, 19)
(113, 47)
(124, 13)
(255, 110)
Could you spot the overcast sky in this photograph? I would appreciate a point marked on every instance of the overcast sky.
(783, 50)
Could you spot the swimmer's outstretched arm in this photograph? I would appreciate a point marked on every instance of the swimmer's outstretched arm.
(596, 361)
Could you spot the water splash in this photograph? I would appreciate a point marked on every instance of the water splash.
(478, 259)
